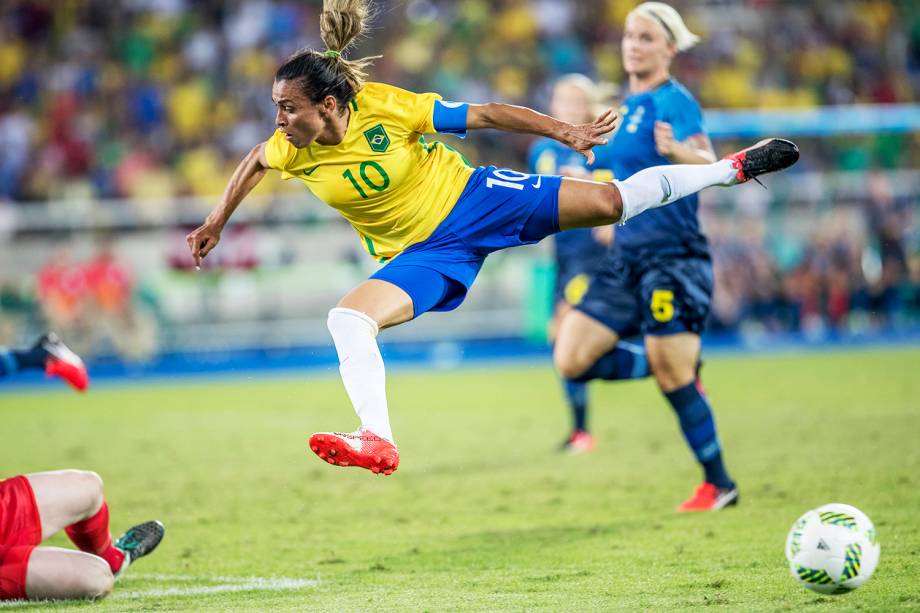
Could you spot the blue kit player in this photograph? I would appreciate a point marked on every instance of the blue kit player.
(578, 252)
(657, 279)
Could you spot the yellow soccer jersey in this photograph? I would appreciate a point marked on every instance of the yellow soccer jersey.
(383, 178)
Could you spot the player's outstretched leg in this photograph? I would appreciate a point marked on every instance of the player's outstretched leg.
(662, 185)
(48, 353)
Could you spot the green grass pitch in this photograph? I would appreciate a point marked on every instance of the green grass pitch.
(483, 514)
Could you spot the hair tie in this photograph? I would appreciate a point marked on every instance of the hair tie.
(332, 54)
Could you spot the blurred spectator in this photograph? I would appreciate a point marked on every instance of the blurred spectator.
(156, 99)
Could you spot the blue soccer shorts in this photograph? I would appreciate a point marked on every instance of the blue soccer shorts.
(499, 208)
(654, 294)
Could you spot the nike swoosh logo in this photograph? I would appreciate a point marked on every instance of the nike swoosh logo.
(307, 173)
(665, 188)
(539, 182)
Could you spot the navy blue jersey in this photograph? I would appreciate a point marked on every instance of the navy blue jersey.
(673, 228)
(546, 157)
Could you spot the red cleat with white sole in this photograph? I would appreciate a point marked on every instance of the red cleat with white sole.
(581, 441)
(709, 497)
(361, 448)
(64, 363)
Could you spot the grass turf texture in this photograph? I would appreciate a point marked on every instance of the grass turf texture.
(483, 514)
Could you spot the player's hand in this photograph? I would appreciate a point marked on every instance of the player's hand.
(665, 143)
(201, 240)
(584, 137)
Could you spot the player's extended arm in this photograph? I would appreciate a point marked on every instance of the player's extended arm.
(582, 138)
(246, 176)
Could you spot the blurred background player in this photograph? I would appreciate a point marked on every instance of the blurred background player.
(657, 278)
(36, 506)
(359, 148)
(576, 99)
(50, 354)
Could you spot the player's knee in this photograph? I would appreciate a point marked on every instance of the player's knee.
(671, 376)
(610, 203)
(95, 579)
(569, 363)
(91, 486)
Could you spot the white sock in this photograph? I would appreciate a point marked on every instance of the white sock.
(361, 367)
(661, 185)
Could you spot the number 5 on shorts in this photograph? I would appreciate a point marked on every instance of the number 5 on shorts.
(662, 305)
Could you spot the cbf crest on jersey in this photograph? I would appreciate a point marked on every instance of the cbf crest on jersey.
(377, 138)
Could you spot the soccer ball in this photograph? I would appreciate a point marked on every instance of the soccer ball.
(832, 549)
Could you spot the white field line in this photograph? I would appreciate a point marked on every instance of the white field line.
(254, 584)
(220, 585)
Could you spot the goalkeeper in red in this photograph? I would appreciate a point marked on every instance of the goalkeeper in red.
(36, 506)
(420, 209)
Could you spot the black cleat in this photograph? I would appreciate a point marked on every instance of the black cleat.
(769, 155)
(138, 542)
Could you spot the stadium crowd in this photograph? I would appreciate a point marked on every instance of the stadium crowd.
(160, 98)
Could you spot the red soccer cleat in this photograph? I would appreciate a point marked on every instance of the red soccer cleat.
(64, 363)
(708, 497)
(769, 155)
(581, 441)
(360, 448)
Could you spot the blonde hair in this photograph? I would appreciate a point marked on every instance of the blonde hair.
(670, 22)
(340, 25)
(600, 94)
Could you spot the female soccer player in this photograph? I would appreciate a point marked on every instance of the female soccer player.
(657, 279)
(579, 251)
(419, 207)
(33, 507)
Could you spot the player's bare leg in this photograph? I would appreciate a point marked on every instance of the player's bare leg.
(73, 500)
(674, 359)
(581, 341)
(65, 497)
(65, 574)
(354, 325)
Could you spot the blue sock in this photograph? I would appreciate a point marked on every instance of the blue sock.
(699, 428)
(624, 361)
(577, 395)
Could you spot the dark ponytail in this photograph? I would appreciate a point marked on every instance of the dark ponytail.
(328, 73)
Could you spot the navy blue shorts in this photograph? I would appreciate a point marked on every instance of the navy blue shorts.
(574, 272)
(499, 208)
(656, 295)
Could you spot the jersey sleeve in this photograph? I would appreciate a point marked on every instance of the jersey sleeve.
(278, 152)
(685, 116)
(427, 113)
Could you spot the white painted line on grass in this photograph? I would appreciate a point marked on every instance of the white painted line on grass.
(254, 584)
(221, 585)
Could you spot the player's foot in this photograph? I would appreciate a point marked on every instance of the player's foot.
(361, 448)
(62, 362)
(769, 155)
(709, 497)
(138, 542)
(581, 441)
